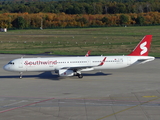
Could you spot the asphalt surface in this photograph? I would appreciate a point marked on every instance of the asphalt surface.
(132, 93)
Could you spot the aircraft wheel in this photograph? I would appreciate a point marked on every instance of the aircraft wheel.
(80, 76)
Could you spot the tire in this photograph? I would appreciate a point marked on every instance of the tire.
(80, 76)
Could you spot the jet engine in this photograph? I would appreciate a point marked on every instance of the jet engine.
(65, 72)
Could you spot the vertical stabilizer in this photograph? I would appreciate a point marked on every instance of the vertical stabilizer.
(142, 49)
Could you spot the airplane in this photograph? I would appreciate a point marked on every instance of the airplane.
(74, 66)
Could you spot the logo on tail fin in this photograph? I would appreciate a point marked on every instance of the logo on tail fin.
(143, 48)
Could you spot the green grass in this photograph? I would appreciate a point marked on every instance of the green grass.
(77, 41)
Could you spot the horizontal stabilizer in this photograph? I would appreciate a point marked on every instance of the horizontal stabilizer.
(142, 61)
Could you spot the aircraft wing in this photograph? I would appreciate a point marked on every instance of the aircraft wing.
(84, 67)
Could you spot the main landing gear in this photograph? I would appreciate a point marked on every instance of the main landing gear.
(78, 73)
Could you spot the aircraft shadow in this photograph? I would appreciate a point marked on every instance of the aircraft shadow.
(96, 74)
(44, 75)
(49, 75)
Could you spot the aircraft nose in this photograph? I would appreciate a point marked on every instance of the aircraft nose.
(6, 67)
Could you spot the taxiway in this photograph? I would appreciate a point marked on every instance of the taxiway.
(130, 93)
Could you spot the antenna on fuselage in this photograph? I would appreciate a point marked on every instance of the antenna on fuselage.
(22, 56)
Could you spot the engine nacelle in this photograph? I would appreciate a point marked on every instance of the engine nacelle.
(65, 72)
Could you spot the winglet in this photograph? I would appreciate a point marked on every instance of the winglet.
(102, 62)
(88, 53)
(142, 49)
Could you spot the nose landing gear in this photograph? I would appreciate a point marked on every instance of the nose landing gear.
(20, 75)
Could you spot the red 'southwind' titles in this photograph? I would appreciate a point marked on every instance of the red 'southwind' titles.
(49, 62)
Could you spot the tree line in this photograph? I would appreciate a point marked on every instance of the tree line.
(53, 20)
(79, 6)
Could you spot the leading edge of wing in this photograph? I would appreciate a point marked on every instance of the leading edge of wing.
(84, 67)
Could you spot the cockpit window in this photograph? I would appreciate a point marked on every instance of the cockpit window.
(11, 63)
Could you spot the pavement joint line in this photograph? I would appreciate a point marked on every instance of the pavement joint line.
(112, 106)
(145, 114)
(127, 108)
(14, 108)
(85, 109)
(14, 103)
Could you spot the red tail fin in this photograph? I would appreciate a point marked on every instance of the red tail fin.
(143, 47)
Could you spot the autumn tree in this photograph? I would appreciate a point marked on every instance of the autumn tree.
(140, 20)
(124, 19)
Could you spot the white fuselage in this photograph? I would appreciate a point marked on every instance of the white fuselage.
(57, 63)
